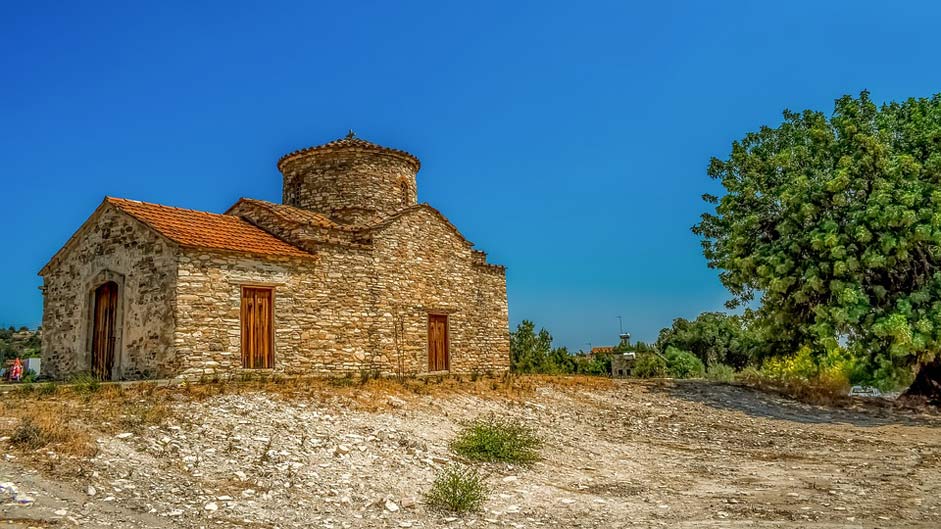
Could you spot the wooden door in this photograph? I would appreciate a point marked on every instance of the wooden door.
(438, 358)
(257, 328)
(103, 330)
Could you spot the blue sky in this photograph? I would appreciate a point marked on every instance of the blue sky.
(567, 139)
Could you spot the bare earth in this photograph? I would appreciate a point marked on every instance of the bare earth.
(618, 454)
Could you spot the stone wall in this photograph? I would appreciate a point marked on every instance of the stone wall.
(350, 310)
(424, 265)
(111, 246)
(355, 186)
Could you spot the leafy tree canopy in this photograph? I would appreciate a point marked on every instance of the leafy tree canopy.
(834, 225)
(713, 337)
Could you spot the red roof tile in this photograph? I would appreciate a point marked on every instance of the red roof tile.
(199, 229)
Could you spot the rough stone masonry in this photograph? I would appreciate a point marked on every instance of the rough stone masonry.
(349, 273)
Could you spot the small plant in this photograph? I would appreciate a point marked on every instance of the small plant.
(47, 429)
(29, 435)
(649, 365)
(494, 439)
(683, 364)
(457, 489)
(47, 389)
(85, 383)
(720, 373)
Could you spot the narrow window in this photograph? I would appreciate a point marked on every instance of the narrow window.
(438, 357)
(257, 317)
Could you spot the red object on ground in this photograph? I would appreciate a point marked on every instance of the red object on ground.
(16, 372)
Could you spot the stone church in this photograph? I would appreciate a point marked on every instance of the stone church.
(349, 273)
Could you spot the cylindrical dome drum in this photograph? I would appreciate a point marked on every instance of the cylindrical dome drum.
(350, 180)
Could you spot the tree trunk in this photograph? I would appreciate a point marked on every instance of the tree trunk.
(927, 384)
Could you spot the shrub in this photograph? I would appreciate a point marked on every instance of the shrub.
(85, 383)
(683, 364)
(497, 439)
(48, 429)
(457, 489)
(649, 365)
(30, 435)
(720, 373)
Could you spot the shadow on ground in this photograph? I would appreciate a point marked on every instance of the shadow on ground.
(759, 403)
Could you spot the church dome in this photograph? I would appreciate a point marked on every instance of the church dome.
(350, 180)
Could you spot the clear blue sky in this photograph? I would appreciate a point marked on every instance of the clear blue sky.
(567, 139)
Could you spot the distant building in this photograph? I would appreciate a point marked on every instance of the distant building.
(621, 364)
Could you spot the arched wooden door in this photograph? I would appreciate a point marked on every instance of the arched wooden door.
(103, 330)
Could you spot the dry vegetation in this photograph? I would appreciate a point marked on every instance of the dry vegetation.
(344, 452)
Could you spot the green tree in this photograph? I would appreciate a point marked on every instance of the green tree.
(834, 225)
(532, 352)
(713, 337)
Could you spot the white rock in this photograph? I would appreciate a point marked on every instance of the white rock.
(125, 435)
(91, 490)
(391, 506)
(211, 506)
(22, 499)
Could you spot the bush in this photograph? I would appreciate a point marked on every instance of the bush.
(457, 489)
(29, 435)
(49, 429)
(720, 373)
(683, 364)
(497, 439)
(85, 383)
(649, 365)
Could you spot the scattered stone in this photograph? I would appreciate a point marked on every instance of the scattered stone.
(391, 506)
(22, 499)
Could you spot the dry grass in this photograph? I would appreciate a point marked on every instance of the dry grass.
(65, 418)
(45, 429)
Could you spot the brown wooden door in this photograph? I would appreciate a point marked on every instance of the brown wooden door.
(438, 358)
(257, 328)
(103, 327)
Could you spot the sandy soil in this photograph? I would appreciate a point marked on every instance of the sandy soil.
(624, 454)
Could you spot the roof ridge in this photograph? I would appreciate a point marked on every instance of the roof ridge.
(114, 200)
(352, 141)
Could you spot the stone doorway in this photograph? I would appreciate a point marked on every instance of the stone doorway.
(104, 335)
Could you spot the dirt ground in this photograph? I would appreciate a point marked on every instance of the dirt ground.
(617, 454)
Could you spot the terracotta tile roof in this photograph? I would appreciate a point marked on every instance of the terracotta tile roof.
(199, 229)
(351, 143)
(293, 214)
